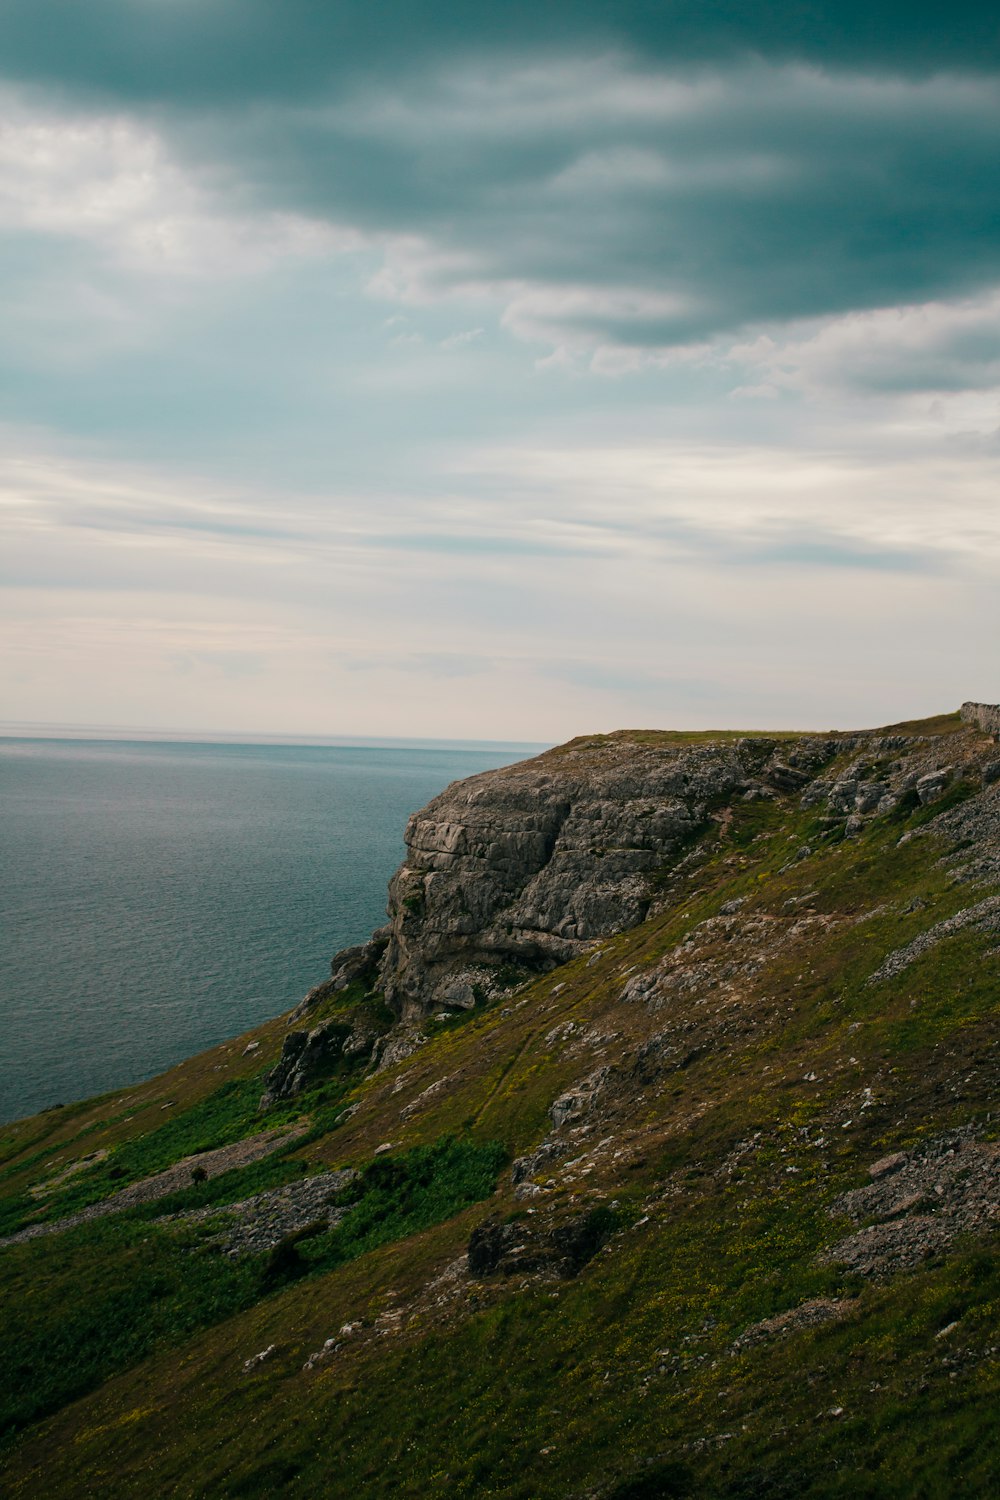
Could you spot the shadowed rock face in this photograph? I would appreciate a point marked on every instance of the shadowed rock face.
(527, 865)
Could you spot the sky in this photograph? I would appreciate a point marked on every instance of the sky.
(506, 371)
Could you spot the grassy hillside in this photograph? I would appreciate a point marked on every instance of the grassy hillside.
(614, 1234)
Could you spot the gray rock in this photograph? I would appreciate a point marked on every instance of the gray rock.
(933, 785)
(560, 1248)
(921, 1201)
(518, 870)
(359, 962)
(843, 796)
(578, 1101)
(259, 1223)
(870, 795)
(786, 778)
(256, 1360)
(985, 716)
(984, 915)
(307, 1055)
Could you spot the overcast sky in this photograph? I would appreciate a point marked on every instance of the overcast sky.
(504, 370)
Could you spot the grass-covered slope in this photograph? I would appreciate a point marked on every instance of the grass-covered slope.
(709, 1211)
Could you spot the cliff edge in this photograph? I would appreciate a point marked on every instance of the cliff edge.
(509, 873)
(512, 872)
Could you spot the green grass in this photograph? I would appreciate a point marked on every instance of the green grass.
(401, 1195)
(108, 1293)
(537, 1394)
(99, 1298)
(227, 1115)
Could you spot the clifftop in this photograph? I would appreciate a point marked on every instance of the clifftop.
(512, 872)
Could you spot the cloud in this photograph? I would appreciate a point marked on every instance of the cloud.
(937, 347)
(462, 339)
(610, 677)
(112, 183)
(762, 509)
(303, 310)
(603, 194)
(787, 587)
(224, 51)
(228, 664)
(609, 206)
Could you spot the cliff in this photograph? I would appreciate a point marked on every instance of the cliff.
(651, 1150)
(513, 872)
(985, 716)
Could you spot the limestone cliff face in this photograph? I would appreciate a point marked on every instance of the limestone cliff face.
(986, 716)
(521, 868)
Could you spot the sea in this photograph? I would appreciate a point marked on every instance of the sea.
(157, 897)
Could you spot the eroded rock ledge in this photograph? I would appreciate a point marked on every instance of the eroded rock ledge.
(514, 871)
(986, 716)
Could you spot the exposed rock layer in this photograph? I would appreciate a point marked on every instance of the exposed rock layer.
(519, 869)
(512, 872)
(986, 716)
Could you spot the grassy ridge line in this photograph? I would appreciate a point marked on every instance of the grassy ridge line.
(934, 727)
(55, 1136)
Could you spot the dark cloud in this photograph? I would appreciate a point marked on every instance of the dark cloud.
(761, 197)
(638, 174)
(220, 50)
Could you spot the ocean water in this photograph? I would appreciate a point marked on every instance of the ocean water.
(156, 898)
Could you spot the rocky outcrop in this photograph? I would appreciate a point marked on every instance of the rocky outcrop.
(562, 1247)
(358, 962)
(512, 872)
(984, 915)
(515, 871)
(260, 1223)
(921, 1201)
(985, 716)
(308, 1056)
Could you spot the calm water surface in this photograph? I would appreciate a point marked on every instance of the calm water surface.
(157, 898)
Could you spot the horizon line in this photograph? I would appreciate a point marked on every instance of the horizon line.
(29, 729)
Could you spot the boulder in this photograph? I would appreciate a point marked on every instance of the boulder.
(307, 1055)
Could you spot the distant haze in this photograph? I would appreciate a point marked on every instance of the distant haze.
(499, 371)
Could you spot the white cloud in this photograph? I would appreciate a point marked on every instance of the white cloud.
(113, 183)
(932, 346)
(462, 339)
(525, 554)
(537, 592)
(888, 507)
